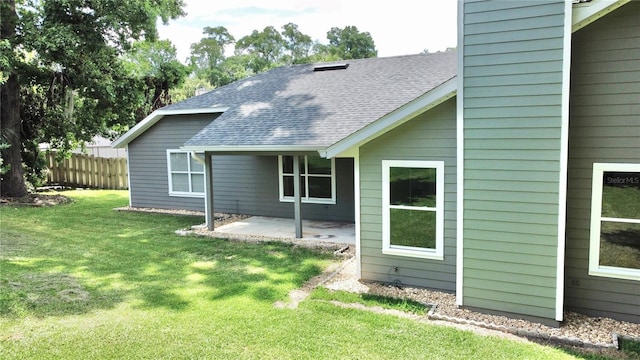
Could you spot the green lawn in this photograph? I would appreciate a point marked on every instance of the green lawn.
(82, 281)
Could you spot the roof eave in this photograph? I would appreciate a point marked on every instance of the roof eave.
(154, 117)
(254, 149)
(588, 12)
(394, 119)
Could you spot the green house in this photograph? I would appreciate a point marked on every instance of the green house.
(537, 165)
(506, 172)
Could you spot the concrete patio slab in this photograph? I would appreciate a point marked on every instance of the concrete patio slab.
(278, 228)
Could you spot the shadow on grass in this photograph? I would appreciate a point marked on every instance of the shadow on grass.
(406, 305)
(83, 256)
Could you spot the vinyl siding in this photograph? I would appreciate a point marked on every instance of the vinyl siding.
(512, 88)
(243, 184)
(430, 136)
(604, 127)
(149, 182)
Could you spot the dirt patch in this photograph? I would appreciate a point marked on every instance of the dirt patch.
(298, 295)
(50, 288)
(36, 199)
(73, 295)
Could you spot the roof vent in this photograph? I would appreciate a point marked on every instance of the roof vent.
(328, 67)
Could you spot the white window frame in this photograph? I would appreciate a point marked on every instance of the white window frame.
(189, 193)
(305, 197)
(595, 268)
(410, 251)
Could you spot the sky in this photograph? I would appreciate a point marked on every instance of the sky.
(398, 27)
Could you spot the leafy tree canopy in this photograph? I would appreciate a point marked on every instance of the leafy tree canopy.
(349, 43)
(65, 77)
(265, 49)
(297, 44)
(207, 56)
(269, 48)
(155, 64)
(192, 86)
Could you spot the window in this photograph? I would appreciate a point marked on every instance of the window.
(186, 174)
(413, 208)
(615, 221)
(317, 179)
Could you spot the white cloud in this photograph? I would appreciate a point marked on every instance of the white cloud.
(397, 27)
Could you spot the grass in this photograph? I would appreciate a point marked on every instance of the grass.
(82, 281)
(630, 347)
(371, 300)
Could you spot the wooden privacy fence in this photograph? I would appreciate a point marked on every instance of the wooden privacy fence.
(81, 170)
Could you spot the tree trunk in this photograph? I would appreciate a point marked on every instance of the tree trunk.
(12, 183)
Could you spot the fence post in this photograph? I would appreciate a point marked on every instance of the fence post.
(94, 174)
(125, 175)
(83, 170)
(57, 166)
(104, 169)
(107, 173)
(65, 172)
(112, 174)
(73, 170)
(49, 166)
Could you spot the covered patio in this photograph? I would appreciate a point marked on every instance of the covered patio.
(281, 228)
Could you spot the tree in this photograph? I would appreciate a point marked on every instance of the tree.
(155, 64)
(207, 55)
(9, 105)
(296, 43)
(265, 49)
(65, 78)
(191, 87)
(349, 43)
(4, 63)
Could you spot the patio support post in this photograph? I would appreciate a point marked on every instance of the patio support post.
(208, 191)
(296, 196)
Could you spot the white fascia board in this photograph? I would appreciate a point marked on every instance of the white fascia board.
(460, 160)
(253, 148)
(154, 117)
(564, 159)
(588, 12)
(398, 117)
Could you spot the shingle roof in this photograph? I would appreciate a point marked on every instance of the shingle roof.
(297, 106)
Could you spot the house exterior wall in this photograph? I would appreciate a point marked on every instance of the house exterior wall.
(604, 127)
(247, 184)
(243, 184)
(430, 136)
(148, 174)
(512, 105)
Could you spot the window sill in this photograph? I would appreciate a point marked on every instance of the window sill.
(311, 201)
(414, 252)
(190, 195)
(616, 273)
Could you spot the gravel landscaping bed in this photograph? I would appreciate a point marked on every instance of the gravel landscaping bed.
(575, 330)
(219, 218)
